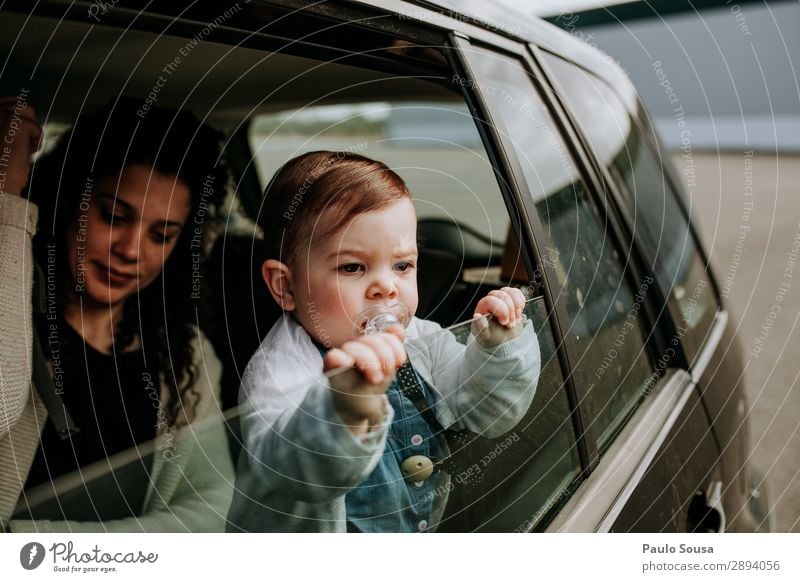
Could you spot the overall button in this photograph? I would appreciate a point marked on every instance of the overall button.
(416, 468)
(416, 440)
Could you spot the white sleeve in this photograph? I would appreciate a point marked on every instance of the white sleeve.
(487, 390)
(295, 441)
(18, 219)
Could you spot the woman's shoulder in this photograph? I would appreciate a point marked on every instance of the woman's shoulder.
(204, 394)
(18, 212)
(208, 368)
(203, 349)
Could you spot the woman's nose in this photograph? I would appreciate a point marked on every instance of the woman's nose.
(126, 242)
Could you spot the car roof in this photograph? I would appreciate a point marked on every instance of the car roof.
(72, 66)
(75, 65)
(520, 21)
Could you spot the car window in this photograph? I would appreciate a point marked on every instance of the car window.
(657, 216)
(612, 367)
(467, 248)
(514, 482)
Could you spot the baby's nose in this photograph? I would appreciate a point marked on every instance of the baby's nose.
(384, 285)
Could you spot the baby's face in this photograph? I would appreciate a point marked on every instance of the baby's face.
(370, 261)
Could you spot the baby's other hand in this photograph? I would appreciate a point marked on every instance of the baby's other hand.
(505, 306)
(358, 393)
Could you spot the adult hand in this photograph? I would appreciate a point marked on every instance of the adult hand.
(20, 137)
(505, 306)
(358, 394)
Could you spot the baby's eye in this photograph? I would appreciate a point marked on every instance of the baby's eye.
(403, 266)
(351, 268)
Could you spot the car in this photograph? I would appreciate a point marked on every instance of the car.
(532, 162)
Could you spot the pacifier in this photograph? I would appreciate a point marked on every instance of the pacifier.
(379, 318)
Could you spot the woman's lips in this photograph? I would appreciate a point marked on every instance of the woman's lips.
(114, 276)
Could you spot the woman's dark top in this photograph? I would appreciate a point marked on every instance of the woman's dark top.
(113, 400)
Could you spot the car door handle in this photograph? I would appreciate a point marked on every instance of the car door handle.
(714, 497)
(706, 513)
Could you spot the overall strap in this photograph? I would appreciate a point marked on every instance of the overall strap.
(410, 387)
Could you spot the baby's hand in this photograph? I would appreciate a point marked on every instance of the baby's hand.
(358, 393)
(505, 306)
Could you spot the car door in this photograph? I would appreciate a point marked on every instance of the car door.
(645, 439)
(614, 125)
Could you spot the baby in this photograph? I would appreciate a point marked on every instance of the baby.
(362, 450)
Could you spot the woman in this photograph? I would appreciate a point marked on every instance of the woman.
(125, 203)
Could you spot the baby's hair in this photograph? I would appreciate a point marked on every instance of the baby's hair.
(340, 184)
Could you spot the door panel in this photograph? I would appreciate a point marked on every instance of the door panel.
(682, 467)
(616, 493)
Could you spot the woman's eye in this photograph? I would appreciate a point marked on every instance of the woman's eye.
(161, 238)
(351, 268)
(110, 217)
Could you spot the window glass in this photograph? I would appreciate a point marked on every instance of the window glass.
(184, 479)
(612, 368)
(658, 218)
(512, 482)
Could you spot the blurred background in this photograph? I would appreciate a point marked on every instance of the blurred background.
(732, 67)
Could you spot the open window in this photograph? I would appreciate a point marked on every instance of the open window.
(469, 245)
(354, 84)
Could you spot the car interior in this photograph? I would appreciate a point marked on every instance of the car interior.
(71, 66)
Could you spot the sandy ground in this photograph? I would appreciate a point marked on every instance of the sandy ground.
(753, 268)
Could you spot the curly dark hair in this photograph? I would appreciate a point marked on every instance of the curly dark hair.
(174, 143)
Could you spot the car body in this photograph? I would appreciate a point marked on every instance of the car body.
(641, 421)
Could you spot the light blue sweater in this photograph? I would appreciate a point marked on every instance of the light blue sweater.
(299, 460)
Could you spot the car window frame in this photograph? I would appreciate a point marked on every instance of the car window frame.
(599, 196)
(492, 130)
(520, 209)
(669, 382)
(515, 209)
(694, 341)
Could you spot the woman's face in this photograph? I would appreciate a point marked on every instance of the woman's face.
(120, 240)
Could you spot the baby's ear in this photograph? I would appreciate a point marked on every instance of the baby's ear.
(278, 278)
